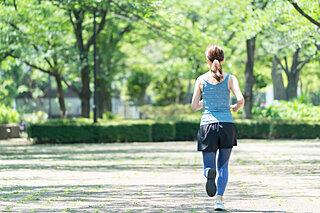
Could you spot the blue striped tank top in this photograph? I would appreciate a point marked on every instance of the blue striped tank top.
(216, 107)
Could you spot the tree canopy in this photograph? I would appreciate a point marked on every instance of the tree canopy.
(156, 48)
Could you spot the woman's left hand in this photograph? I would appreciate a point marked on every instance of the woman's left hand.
(234, 107)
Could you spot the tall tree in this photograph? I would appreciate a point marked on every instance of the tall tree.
(293, 72)
(44, 50)
(294, 41)
(79, 15)
(249, 74)
(111, 59)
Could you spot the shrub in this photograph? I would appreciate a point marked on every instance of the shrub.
(284, 110)
(186, 130)
(173, 111)
(163, 131)
(253, 128)
(53, 133)
(294, 129)
(287, 110)
(82, 130)
(37, 117)
(8, 115)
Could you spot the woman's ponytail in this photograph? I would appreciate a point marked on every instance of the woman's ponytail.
(217, 70)
(215, 55)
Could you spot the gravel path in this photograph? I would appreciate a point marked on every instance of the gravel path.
(265, 176)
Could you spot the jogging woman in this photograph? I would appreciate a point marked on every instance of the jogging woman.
(217, 129)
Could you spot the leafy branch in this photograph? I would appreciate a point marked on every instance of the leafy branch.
(296, 6)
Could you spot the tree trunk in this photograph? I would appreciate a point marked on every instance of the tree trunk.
(100, 90)
(85, 90)
(60, 96)
(104, 100)
(249, 78)
(279, 91)
(107, 99)
(293, 76)
(142, 97)
(105, 89)
(85, 93)
(292, 85)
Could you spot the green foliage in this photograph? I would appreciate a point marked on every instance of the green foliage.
(253, 128)
(37, 117)
(292, 129)
(106, 116)
(137, 84)
(168, 36)
(169, 89)
(80, 130)
(261, 80)
(110, 116)
(163, 131)
(288, 110)
(186, 130)
(283, 110)
(73, 121)
(68, 133)
(173, 111)
(8, 115)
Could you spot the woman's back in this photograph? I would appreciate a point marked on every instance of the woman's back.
(216, 105)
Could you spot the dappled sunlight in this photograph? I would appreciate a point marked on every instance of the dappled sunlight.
(265, 176)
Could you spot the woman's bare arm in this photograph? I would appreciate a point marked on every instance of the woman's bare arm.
(196, 103)
(237, 93)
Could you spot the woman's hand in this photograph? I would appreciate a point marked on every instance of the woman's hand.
(234, 107)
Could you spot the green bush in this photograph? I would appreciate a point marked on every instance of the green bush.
(253, 128)
(163, 131)
(66, 121)
(36, 117)
(82, 130)
(287, 110)
(46, 133)
(68, 133)
(174, 111)
(8, 115)
(294, 129)
(284, 110)
(186, 130)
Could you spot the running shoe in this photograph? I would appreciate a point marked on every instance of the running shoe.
(218, 206)
(211, 187)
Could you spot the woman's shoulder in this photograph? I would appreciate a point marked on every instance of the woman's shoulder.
(202, 77)
(232, 77)
(232, 81)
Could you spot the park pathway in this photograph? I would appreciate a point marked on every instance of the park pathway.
(265, 176)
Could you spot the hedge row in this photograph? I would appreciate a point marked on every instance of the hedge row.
(143, 131)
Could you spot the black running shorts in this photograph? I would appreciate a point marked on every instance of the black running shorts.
(217, 135)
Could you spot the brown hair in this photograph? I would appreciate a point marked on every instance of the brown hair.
(214, 53)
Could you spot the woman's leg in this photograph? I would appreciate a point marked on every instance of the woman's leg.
(209, 161)
(223, 161)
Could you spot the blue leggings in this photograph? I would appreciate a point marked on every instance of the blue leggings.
(209, 161)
